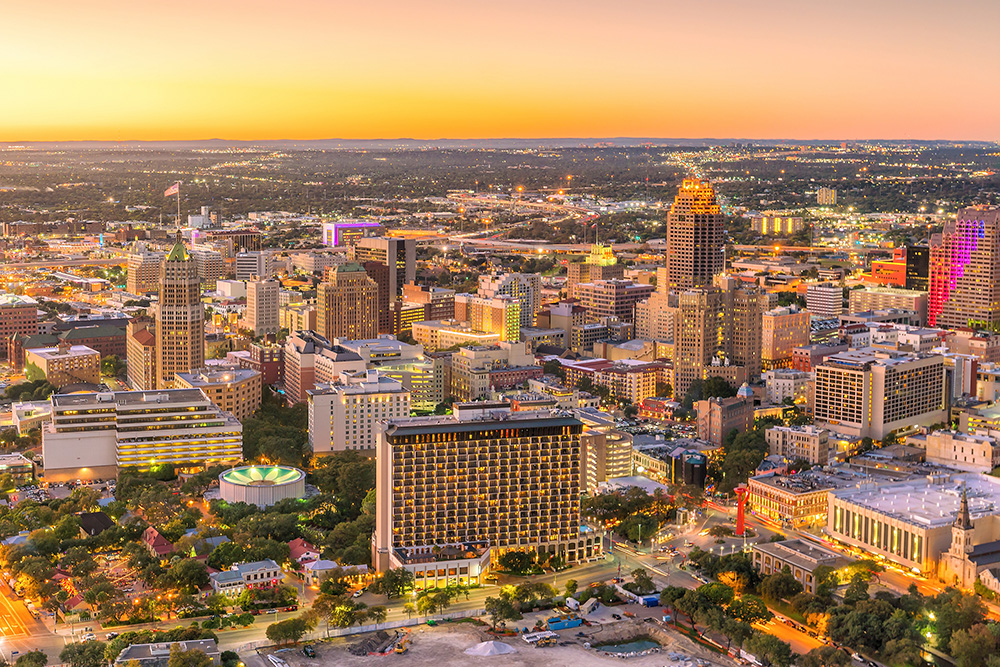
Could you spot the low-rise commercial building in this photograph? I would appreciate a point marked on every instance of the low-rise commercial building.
(259, 574)
(963, 451)
(798, 500)
(158, 655)
(718, 416)
(66, 364)
(800, 557)
(800, 442)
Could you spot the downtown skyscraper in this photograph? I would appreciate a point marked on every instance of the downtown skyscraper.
(694, 237)
(965, 271)
(180, 318)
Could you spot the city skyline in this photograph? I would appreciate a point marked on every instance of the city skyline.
(309, 70)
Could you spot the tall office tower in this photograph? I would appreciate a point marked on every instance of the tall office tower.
(180, 319)
(399, 256)
(348, 303)
(262, 306)
(500, 315)
(826, 197)
(742, 315)
(525, 287)
(825, 299)
(654, 317)
(698, 332)
(612, 298)
(965, 271)
(141, 353)
(600, 264)
(918, 259)
(255, 265)
(505, 481)
(143, 271)
(782, 330)
(694, 236)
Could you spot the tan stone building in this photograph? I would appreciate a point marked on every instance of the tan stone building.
(969, 452)
(180, 318)
(782, 330)
(348, 304)
(233, 390)
(694, 237)
(141, 354)
(800, 442)
(66, 364)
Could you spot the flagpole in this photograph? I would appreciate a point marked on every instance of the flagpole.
(178, 204)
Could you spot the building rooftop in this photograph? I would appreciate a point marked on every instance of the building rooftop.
(495, 417)
(129, 398)
(810, 481)
(800, 553)
(931, 501)
(50, 353)
(15, 300)
(161, 650)
(206, 377)
(865, 356)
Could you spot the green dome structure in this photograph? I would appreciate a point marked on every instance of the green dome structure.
(261, 485)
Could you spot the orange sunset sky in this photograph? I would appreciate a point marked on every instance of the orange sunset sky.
(309, 69)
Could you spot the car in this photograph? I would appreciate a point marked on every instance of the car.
(111, 635)
(309, 651)
(89, 637)
(617, 617)
(872, 663)
(357, 593)
(857, 656)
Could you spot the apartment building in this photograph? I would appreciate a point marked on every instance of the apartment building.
(310, 359)
(630, 381)
(143, 271)
(825, 299)
(717, 417)
(801, 442)
(525, 287)
(886, 298)
(297, 316)
(483, 476)
(612, 298)
(782, 330)
(344, 415)
(871, 392)
(787, 383)
(93, 435)
(141, 356)
(66, 364)
(233, 390)
(654, 317)
(499, 315)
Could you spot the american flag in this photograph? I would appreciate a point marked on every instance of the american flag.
(172, 190)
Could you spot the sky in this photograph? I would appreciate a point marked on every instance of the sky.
(427, 69)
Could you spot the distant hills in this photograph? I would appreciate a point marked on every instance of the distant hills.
(492, 144)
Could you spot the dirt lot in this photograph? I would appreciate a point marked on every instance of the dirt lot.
(443, 646)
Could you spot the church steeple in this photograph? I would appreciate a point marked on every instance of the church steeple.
(962, 520)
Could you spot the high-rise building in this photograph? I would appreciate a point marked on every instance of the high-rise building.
(743, 310)
(654, 317)
(144, 271)
(612, 298)
(348, 303)
(398, 256)
(525, 287)
(698, 335)
(255, 265)
(209, 264)
(141, 355)
(826, 197)
(801, 442)
(870, 392)
(500, 315)
(965, 271)
(484, 478)
(782, 330)
(918, 259)
(825, 299)
(311, 359)
(776, 225)
(694, 236)
(600, 264)
(262, 306)
(438, 302)
(344, 414)
(180, 318)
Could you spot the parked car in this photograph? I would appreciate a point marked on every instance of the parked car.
(309, 651)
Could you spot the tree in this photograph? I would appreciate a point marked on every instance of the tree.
(83, 654)
(770, 650)
(643, 582)
(112, 366)
(749, 609)
(190, 658)
(954, 611)
(189, 575)
(972, 647)
(824, 656)
(378, 614)
(664, 389)
(287, 631)
(500, 609)
(35, 658)
(780, 586)
(718, 595)
(517, 562)
(857, 590)
(571, 587)
(394, 583)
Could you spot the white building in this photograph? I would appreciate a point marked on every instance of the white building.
(343, 415)
(255, 265)
(525, 287)
(262, 306)
(825, 300)
(92, 435)
(259, 574)
(782, 383)
(963, 451)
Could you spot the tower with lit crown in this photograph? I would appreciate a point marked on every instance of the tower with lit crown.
(180, 318)
(694, 237)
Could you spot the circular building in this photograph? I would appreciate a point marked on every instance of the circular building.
(261, 485)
